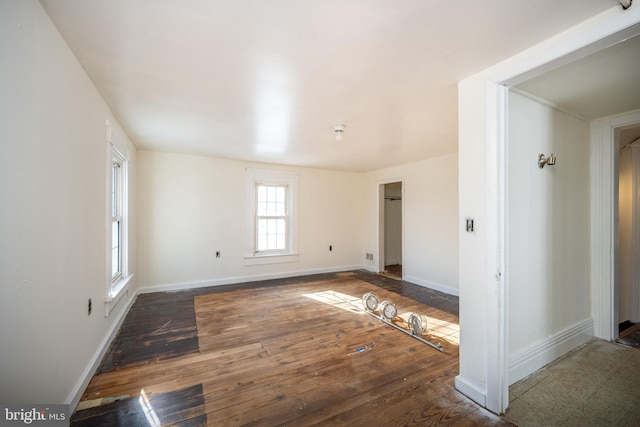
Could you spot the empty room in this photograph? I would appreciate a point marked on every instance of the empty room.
(319, 213)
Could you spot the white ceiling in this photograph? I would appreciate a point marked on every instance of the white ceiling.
(268, 80)
(600, 85)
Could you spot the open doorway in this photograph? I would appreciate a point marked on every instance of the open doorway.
(391, 235)
(628, 248)
(488, 383)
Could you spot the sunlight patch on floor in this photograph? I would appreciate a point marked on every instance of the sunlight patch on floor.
(338, 300)
(435, 327)
(147, 408)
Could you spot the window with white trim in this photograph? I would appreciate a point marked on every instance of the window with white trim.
(271, 216)
(118, 235)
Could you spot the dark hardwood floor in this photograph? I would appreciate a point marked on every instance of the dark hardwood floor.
(296, 351)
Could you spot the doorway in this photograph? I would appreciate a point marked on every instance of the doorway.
(391, 230)
(628, 248)
(483, 136)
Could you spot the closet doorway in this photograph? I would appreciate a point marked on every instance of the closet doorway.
(628, 248)
(391, 229)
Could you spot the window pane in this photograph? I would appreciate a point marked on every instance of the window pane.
(262, 242)
(262, 208)
(115, 248)
(271, 209)
(114, 189)
(115, 234)
(271, 223)
(115, 265)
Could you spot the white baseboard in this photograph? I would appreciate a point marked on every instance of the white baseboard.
(524, 363)
(430, 285)
(243, 279)
(78, 390)
(470, 390)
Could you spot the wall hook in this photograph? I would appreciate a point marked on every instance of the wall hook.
(542, 160)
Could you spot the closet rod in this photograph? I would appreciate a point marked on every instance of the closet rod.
(631, 144)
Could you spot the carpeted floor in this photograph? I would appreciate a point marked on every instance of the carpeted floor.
(594, 385)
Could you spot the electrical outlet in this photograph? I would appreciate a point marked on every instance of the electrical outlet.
(217, 254)
(89, 308)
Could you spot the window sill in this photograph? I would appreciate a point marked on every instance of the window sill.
(270, 259)
(117, 292)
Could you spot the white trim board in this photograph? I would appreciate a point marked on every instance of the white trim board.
(603, 233)
(469, 389)
(243, 279)
(526, 362)
(81, 385)
(431, 285)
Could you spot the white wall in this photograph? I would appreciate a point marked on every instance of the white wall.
(430, 201)
(625, 188)
(193, 206)
(548, 227)
(474, 325)
(53, 218)
(482, 121)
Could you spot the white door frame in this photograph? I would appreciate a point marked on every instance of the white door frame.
(604, 220)
(614, 26)
(635, 247)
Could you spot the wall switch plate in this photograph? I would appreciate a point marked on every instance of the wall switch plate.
(217, 254)
(470, 226)
(330, 247)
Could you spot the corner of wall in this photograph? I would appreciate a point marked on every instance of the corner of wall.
(544, 352)
(80, 386)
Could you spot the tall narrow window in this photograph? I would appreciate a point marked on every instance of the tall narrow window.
(116, 220)
(271, 217)
(118, 235)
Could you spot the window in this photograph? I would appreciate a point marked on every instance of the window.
(118, 227)
(117, 218)
(117, 274)
(271, 217)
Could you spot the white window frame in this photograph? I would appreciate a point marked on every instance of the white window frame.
(118, 214)
(289, 180)
(117, 285)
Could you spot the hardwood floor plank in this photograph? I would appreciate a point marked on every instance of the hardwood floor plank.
(298, 352)
(164, 408)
